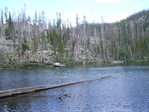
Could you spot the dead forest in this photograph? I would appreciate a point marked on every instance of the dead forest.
(26, 39)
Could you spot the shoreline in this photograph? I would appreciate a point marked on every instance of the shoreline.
(81, 63)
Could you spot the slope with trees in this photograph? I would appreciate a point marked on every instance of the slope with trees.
(26, 40)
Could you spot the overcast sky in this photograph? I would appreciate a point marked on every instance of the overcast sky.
(111, 10)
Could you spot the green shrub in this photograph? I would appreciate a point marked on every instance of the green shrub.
(30, 65)
(48, 64)
(25, 46)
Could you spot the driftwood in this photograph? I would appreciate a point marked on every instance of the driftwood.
(58, 65)
(19, 91)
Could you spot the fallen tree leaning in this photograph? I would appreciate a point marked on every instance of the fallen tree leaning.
(19, 91)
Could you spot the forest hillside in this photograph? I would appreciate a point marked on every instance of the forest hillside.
(26, 39)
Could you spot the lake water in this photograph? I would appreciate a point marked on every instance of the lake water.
(127, 90)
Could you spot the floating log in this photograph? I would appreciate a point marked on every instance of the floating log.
(14, 92)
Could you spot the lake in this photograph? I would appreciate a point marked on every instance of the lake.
(127, 90)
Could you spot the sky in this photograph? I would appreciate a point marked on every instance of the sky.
(110, 10)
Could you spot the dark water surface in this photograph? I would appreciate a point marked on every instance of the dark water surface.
(127, 90)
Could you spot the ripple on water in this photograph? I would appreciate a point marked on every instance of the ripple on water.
(125, 91)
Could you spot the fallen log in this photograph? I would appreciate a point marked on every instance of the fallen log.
(19, 91)
(58, 65)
